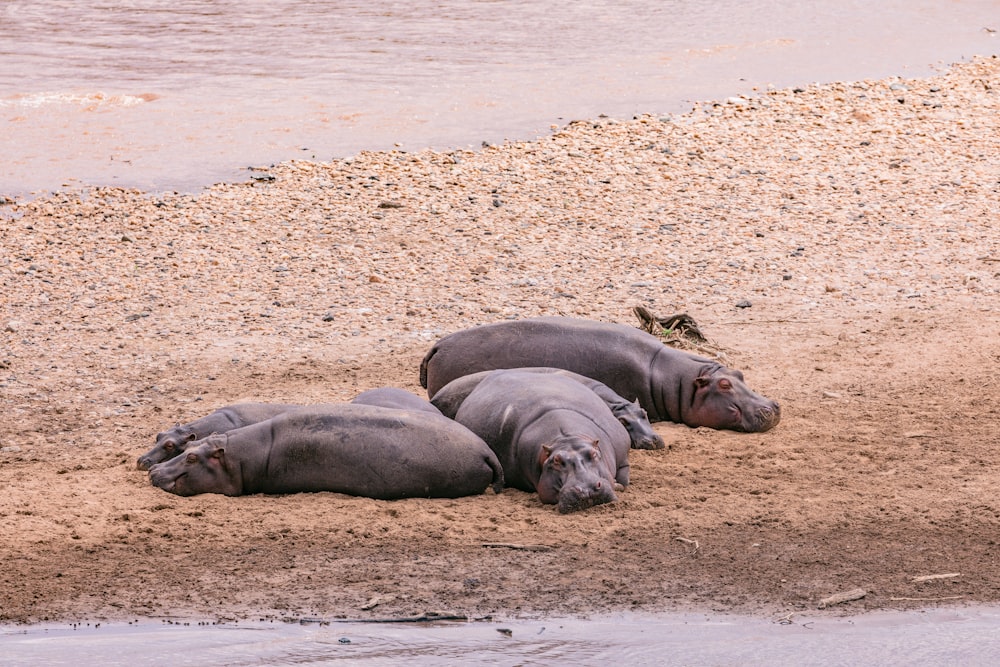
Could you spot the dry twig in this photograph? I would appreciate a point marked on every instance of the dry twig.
(846, 596)
(519, 547)
(687, 541)
(933, 577)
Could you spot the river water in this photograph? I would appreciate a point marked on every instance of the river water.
(967, 637)
(179, 94)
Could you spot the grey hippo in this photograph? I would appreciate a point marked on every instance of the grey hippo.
(393, 397)
(175, 441)
(449, 399)
(670, 384)
(360, 450)
(552, 435)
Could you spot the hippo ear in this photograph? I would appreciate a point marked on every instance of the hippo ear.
(219, 455)
(595, 453)
(191, 436)
(701, 382)
(544, 454)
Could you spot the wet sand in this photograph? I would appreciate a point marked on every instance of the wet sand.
(838, 243)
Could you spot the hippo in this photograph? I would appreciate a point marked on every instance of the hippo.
(449, 399)
(173, 442)
(552, 435)
(361, 450)
(391, 397)
(670, 384)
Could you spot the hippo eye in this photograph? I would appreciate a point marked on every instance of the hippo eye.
(169, 446)
(557, 461)
(192, 458)
(725, 385)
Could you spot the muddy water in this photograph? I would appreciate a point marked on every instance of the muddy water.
(965, 637)
(177, 94)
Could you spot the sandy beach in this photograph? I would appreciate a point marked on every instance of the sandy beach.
(838, 243)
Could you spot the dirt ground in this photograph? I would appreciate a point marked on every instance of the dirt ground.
(861, 224)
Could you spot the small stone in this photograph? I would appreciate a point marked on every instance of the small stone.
(13, 326)
(10, 449)
(743, 303)
(830, 394)
(328, 317)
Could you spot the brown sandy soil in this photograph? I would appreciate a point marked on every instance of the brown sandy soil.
(860, 220)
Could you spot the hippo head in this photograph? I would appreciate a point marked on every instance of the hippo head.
(721, 399)
(168, 445)
(201, 469)
(635, 420)
(573, 475)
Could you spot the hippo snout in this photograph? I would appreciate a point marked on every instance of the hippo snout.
(768, 416)
(651, 441)
(576, 497)
(161, 479)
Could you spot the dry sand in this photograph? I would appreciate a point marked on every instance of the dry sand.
(860, 221)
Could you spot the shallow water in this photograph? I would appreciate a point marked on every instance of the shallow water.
(180, 94)
(965, 637)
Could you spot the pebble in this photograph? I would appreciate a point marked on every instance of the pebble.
(597, 209)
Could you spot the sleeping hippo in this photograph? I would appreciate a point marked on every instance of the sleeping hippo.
(449, 399)
(360, 450)
(670, 384)
(392, 397)
(552, 435)
(173, 442)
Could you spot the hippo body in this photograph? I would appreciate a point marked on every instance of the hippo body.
(360, 450)
(173, 442)
(449, 399)
(551, 434)
(670, 384)
(392, 397)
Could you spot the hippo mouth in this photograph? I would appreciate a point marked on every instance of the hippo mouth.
(163, 481)
(649, 442)
(575, 499)
(766, 418)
